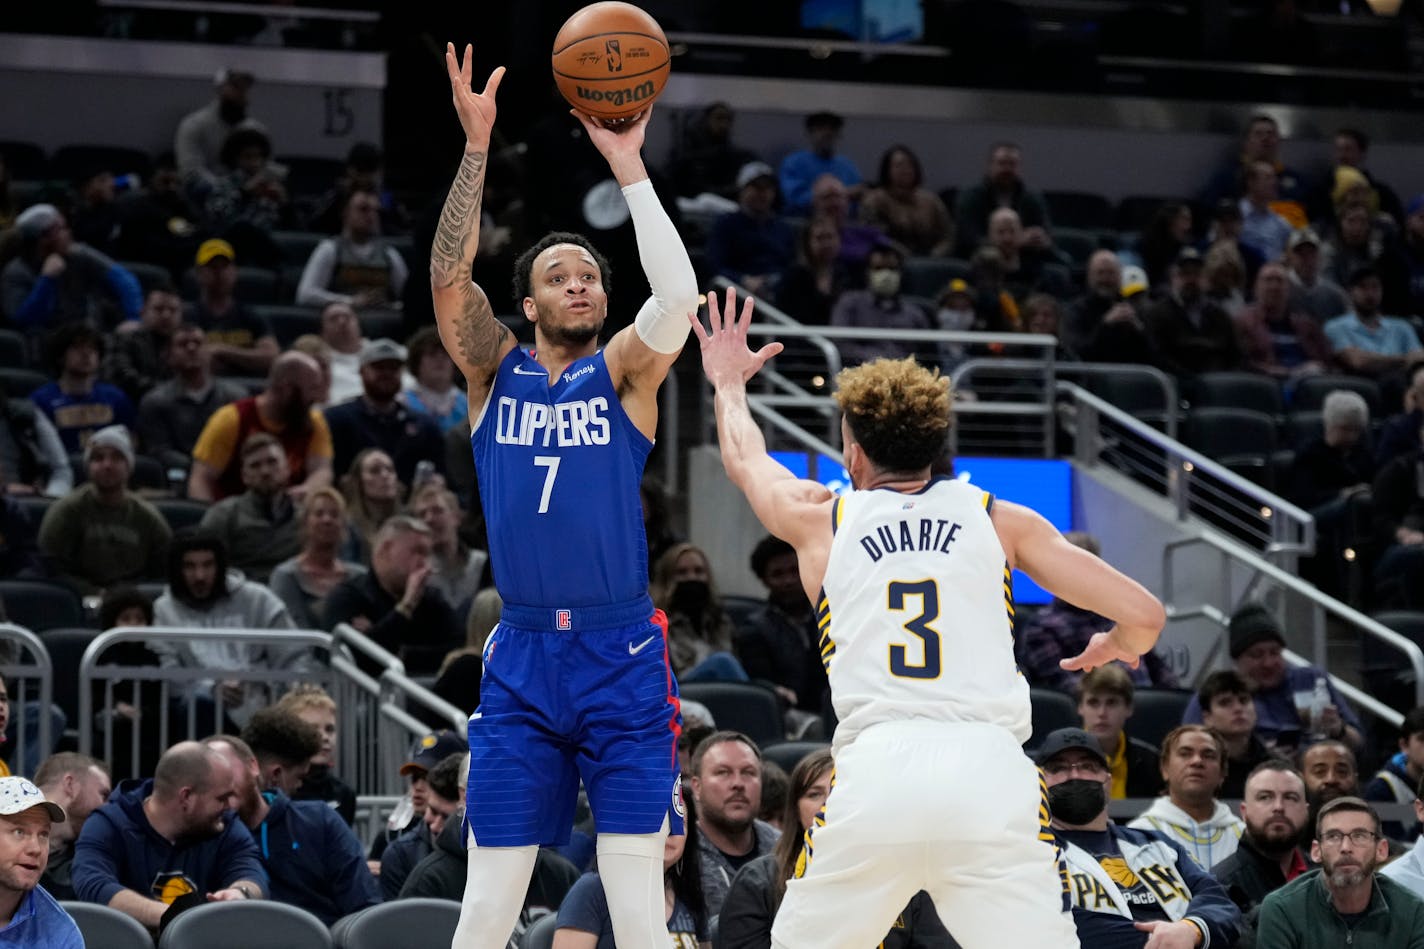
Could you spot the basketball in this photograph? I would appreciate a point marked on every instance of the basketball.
(611, 60)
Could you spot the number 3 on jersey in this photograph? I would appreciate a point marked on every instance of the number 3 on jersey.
(928, 593)
(552, 463)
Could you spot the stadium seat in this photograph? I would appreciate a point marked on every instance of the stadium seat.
(106, 928)
(382, 324)
(751, 709)
(927, 276)
(1311, 391)
(66, 647)
(255, 285)
(1135, 212)
(1078, 244)
(788, 754)
(1134, 392)
(19, 383)
(14, 352)
(297, 246)
(25, 161)
(1080, 209)
(38, 606)
(71, 161)
(180, 512)
(1300, 427)
(311, 177)
(1052, 710)
(741, 609)
(289, 322)
(243, 924)
(1239, 439)
(404, 924)
(541, 934)
(1155, 712)
(1236, 390)
(148, 275)
(33, 505)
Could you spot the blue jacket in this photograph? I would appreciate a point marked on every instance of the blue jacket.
(314, 859)
(41, 923)
(118, 849)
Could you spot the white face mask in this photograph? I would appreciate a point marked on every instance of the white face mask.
(883, 282)
(950, 319)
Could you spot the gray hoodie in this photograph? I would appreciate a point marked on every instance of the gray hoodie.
(1210, 842)
(717, 870)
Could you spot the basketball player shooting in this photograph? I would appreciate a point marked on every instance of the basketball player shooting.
(576, 679)
(911, 577)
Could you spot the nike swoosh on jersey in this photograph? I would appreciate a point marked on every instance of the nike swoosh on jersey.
(521, 371)
(634, 650)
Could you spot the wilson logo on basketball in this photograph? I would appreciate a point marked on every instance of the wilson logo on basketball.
(617, 97)
(615, 56)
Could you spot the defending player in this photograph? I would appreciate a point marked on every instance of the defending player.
(911, 577)
(576, 680)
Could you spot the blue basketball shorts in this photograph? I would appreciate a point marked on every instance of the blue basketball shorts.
(587, 694)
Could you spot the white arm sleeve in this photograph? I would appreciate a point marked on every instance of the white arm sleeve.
(662, 322)
(316, 277)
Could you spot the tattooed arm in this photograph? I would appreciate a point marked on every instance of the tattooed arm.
(468, 328)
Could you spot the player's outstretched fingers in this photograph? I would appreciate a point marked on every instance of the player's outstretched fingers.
(699, 329)
(492, 84)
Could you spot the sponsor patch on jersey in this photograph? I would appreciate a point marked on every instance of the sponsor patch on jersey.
(563, 619)
(679, 806)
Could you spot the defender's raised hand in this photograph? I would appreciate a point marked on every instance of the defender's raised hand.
(725, 354)
(476, 110)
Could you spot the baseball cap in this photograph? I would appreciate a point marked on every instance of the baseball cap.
(1134, 280)
(36, 219)
(429, 750)
(1188, 255)
(20, 794)
(958, 285)
(1063, 739)
(1303, 236)
(237, 77)
(382, 350)
(215, 247)
(753, 170)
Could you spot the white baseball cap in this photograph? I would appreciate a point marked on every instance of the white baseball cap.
(20, 794)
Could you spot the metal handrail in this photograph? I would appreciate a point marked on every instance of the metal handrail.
(43, 669)
(414, 690)
(344, 634)
(768, 310)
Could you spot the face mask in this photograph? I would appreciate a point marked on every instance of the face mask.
(884, 282)
(690, 596)
(955, 319)
(232, 112)
(1077, 801)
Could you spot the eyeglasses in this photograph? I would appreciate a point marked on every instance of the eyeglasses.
(1360, 838)
(1090, 769)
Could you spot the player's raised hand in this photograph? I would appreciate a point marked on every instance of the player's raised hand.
(614, 138)
(476, 110)
(1102, 649)
(725, 354)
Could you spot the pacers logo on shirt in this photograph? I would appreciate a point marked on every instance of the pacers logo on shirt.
(167, 887)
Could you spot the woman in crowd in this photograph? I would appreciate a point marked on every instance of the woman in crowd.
(431, 389)
(462, 670)
(810, 287)
(907, 212)
(373, 493)
(304, 581)
(699, 630)
(1167, 233)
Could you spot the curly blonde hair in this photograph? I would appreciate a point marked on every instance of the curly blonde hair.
(898, 411)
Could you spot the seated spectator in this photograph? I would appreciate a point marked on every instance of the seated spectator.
(94, 217)
(1061, 630)
(1399, 533)
(699, 630)
(394, 604)
(53, 280)
(431, 389)
(1227, 225)
(365, 168)
(1312, 291)
(312, 858)
(706, 160)
(726, 789)
(1227, 709)
(1409, 869)
(377, 418)
(584, 919)
(1277, 340)
(310, 344)
(1001, 187)
(32, 458)
(1329, 770)
(957, 312)
(1042, 315)
(880, 306)
(1224, 278)
(198, 141)
(1190, 333)
(462, 670)
(802, 169)
(1256, 641)
(908, 213)
(781, 642)
(168, 837)
(136, 361)
(78, 403)
(1105, 323)
(357, 267)
(1411, 248)
(1360, 243)
(1193, 769)
(129, 606)
(1268, 855)
(156, 221)
(1261, 142)
(313, 705)
(1401, 433)
(373, 495)
(101, 534)
(752, 245)
(242, 343)
(20, 557)
(172, 415)
(1167, 233)
(341, 332)
(305, 580)
(1398, 780)
(29, 915)
(1127, 887)
(1346, 901)
(1352, 148)
(80, 785)
(1026, 265)
(1335, 464)
(442, 799)
(1261, 227)
(1365, 341)
(409, 813)
(457, 571)
(258, 527)
(284, 409)
(248, 198)
(202, 594)
(1104, 706)
(830, 198)
(810, 287)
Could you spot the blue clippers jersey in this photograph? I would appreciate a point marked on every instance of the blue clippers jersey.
(559, 469)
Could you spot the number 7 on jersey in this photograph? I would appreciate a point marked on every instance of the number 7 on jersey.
(552, 463)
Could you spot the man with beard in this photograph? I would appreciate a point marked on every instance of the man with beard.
(30, 916)
(1193, 767)
(172, 415)
(169, 837)
(1368, 343)
(1105, 323)
(135, 361)
(314, 860)
(1191, 334)
(1330, 772)
(726, 786)
(1269, 855)
(80, 785)
(1128, 888)
(259, 526)
(778, 643)
(202, 594)
(284, 409)
(1345, 902)
(378, 419)
(560, 440)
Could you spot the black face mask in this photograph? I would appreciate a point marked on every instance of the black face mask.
(690, 596)
(1077, 801)
(232, 112)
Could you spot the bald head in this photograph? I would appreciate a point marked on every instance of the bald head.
(1105, 274)
(188, 764)
(292, 367)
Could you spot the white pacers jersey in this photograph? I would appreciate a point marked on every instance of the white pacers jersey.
(916, 612)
